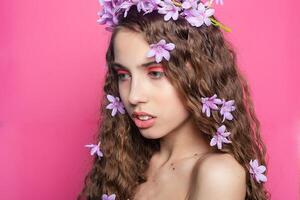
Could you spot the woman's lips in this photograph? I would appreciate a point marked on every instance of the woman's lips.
(144, 123)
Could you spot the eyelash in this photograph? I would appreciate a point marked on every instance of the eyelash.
(161, 74)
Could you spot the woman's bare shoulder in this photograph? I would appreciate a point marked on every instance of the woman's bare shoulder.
(218, 176)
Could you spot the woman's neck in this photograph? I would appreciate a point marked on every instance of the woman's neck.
(183, 142)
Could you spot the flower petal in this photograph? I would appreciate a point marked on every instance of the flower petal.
(262, 177)
(166, 54)
(121, 109)
(169, 46)
(228, 116)
(261, 169)
(110, 106)
(114, 111)
(221, 129)
(213, 142)
(94, 150)
(208, 112)
(158, 58)
(110, 98)
(219, 144)
(112, 197)
(209, 12)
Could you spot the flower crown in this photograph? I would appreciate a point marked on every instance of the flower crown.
(194, 11)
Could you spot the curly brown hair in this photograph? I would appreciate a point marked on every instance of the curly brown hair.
(213, 61)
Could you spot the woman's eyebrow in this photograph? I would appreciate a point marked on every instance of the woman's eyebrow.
(118, 65)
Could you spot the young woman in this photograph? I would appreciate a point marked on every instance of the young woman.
(177, 118)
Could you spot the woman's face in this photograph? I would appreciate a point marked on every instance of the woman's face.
(143, 87)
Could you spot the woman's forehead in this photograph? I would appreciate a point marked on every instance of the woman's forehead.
(130, 48)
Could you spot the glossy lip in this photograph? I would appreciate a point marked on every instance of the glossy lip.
(143, 124)
(135, 114)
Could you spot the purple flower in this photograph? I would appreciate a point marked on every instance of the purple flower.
(115, 105)
(147, 5)
(257, 171)
(160, 50)
(169, 9)
(108, 15)
(188, 4)
(95, 148)
(126, 5)
(196, 17)
(227, 107)
(220, 137)
(210, 103)
(110, 197)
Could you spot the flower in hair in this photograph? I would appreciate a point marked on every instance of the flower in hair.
(210, 103)
(108, 15)
(115, 105)
(227, 107)
(95, 148)
(110, 197)
(220, 137)
(257, 171)
(169, 9)
(160, 50)
(187, 4)
(126, 5)
(196, 17)
(147, 6)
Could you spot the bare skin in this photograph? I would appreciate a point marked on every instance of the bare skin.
(171, 181)
(190, 179)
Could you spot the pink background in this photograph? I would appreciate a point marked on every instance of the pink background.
(51, 73)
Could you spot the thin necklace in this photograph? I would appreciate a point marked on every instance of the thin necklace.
(171, 166)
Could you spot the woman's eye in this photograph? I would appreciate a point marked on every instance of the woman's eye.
(157, 74)
(122, 76)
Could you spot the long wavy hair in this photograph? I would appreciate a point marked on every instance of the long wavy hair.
(214, 71)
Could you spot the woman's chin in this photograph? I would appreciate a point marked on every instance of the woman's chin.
(149, 134)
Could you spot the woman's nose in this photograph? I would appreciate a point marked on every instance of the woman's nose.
(137, 93)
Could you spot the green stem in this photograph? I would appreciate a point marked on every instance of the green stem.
(216, 23)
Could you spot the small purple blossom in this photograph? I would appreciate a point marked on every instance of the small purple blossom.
(95, 148)
(170, 10)
(108, 15)
(147, 6)
(188, 4)
(227, 107)
(160, 50)
(257, 171)
(220, 137)
(115, 105)
(210, 103)
(199, 16)
(110, 197)
(126, 5)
